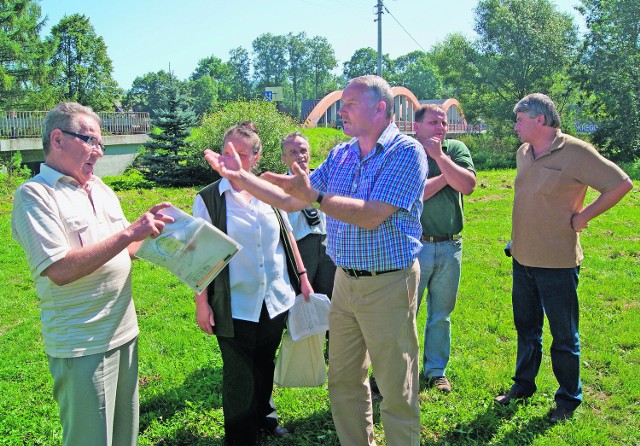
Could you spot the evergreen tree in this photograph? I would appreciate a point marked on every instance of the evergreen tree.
(168, 157)
(174, 122)
(82, 66)
(23, 56)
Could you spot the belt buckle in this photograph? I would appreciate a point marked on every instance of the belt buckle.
(351, 272)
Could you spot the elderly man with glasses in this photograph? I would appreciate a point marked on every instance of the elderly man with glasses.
(79, 247)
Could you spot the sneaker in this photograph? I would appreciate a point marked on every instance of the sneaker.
(560, 414)
(440, 382)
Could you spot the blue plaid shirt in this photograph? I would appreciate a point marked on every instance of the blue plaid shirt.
(394, 172)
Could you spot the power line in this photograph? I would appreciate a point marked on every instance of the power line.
(403, 28)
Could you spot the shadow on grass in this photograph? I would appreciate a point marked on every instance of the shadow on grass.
(203, 388)
(487, 425)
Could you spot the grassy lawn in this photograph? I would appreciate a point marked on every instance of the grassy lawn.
(181, 369)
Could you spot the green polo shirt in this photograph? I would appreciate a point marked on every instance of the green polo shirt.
(443, 213)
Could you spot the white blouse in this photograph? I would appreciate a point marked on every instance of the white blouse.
(258, 273)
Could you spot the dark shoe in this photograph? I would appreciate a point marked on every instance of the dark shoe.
(440, 382)
(374, 385)
(513, 394)
(279, 432)
(560, 414)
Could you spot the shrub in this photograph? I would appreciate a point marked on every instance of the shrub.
(272, 127)
(12, 173)
(322, 140)
(131, 179)
(491, 152)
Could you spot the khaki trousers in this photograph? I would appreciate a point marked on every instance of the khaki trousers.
(373, 322)
(98, 397)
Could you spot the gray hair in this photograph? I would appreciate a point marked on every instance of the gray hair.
(64, 116)
(379, 88)
(537, 104)
(290, 136)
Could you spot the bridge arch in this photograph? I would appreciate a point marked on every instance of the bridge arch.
(405, 104)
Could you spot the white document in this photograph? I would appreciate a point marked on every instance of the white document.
(308, 318)
(192, 249)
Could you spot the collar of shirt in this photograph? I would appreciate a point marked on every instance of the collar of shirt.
(557, 144)
(52, 176)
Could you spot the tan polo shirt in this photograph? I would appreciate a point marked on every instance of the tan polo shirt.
(51, 215)
(548, 191)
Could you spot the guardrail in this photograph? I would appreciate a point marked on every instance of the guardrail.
(28, 124)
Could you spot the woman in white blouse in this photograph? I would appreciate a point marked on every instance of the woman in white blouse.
(246, 305)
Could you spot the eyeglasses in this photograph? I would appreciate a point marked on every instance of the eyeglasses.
(90, 140)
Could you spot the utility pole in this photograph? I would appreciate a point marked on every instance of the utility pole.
(380, 5)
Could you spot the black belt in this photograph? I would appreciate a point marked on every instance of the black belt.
(438, 238)
(363, 273)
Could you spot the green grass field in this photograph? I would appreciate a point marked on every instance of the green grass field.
(180, 367)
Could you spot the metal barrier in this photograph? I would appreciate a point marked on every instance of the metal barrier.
(28, 124)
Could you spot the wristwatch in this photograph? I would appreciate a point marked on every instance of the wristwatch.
(316, 204)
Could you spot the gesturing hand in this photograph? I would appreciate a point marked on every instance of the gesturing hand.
(151, 223)
(227, 164)
(296, 185)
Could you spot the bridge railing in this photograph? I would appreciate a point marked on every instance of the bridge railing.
(28, 124)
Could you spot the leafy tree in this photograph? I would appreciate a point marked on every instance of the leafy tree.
(240, 65)
(23, 56)
(365, 61)
(416, 72)
(298, 67)
(523, 46)
(148, 92)
(610, 61)
(272, 127)
(270, 62)
(219, 72)
(322, 60)
(83, 68)
(168, 160)
(204, 95)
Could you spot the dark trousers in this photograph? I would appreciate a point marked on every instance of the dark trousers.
(247, 377)
(320, 268)
(550, 291)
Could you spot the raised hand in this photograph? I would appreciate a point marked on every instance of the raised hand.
(433, 147)
(296, 185)
(226, 164)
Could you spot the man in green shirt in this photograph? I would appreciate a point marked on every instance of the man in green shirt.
(451, 175)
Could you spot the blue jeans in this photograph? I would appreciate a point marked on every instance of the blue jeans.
(440, 266)
(550, 291)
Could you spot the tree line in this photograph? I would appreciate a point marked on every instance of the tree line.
(521, 46)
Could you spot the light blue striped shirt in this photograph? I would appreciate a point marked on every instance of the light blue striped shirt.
(394, 172)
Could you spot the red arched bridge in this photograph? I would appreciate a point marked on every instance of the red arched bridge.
(325, 112)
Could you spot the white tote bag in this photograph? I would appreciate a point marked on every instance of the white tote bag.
(301, 364)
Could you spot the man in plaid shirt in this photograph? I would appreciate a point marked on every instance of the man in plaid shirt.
(371, 190)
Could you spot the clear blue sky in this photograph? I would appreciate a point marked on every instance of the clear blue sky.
(145, 36)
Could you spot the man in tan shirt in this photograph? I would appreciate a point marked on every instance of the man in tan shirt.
(554, 171)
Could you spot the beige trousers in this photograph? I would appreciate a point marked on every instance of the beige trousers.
(373, 322)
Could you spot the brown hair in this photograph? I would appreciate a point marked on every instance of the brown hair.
(246, 130)
(419, 114)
